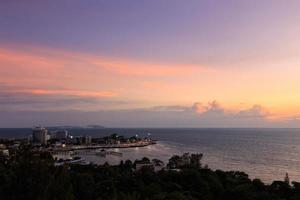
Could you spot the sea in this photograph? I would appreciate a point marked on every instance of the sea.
(267, 154)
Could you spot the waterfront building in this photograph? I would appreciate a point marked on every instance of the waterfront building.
(29, 139)
(4, 152)
(87, 139)
(82, 140)
(40, 135)
(60, 135)
(2, 146)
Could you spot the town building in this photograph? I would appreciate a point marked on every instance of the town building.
(40, 135)
(60, 135)
(88, 139)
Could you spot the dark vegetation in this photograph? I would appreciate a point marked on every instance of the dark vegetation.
(28, 175)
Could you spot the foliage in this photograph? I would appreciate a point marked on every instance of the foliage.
(27, 174)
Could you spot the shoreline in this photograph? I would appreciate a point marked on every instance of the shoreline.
(110, 146)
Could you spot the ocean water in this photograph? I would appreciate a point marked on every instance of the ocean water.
(262, 153)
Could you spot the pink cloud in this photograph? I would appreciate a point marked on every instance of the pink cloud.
(54, 60)
(73, 93)
(133, 68)
(66, 92)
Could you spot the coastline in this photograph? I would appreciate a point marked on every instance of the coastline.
(262, 153)
(107, 146)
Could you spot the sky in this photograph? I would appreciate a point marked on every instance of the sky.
(138, 63)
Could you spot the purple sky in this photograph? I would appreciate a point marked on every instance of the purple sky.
(192, 31)
(135, 56)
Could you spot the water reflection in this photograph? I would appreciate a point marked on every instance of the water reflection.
(256, 165)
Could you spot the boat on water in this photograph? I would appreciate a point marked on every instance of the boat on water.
(75, 160)
(104, 153)
(114, 153)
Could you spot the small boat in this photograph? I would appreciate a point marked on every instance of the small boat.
(114, 153)
(102, 153)
(75, 160)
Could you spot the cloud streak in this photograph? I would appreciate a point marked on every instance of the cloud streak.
(28, 109)
(69, 93)
(56, 80)
(46, 71)
(55, 60)
(159, 117)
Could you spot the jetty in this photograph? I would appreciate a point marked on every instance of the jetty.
(140, 143)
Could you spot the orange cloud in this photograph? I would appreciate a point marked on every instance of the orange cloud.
(153, 85)
(43, 70)
(81, 93)
(25, 60)
(53, 60)
(86, 74)
(74, 93)
(147, 69)
(200, 107)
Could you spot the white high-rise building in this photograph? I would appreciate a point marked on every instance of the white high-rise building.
(39, 135)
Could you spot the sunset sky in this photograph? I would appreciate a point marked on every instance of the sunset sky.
(137, 63)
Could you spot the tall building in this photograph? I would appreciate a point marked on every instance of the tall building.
(39, 135)
(88, 139)
(61, 134)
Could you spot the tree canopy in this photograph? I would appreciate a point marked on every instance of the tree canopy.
(32, 175)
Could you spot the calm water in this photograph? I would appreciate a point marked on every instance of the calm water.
(263, 153)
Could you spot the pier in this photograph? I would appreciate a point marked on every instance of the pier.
(105, 146)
